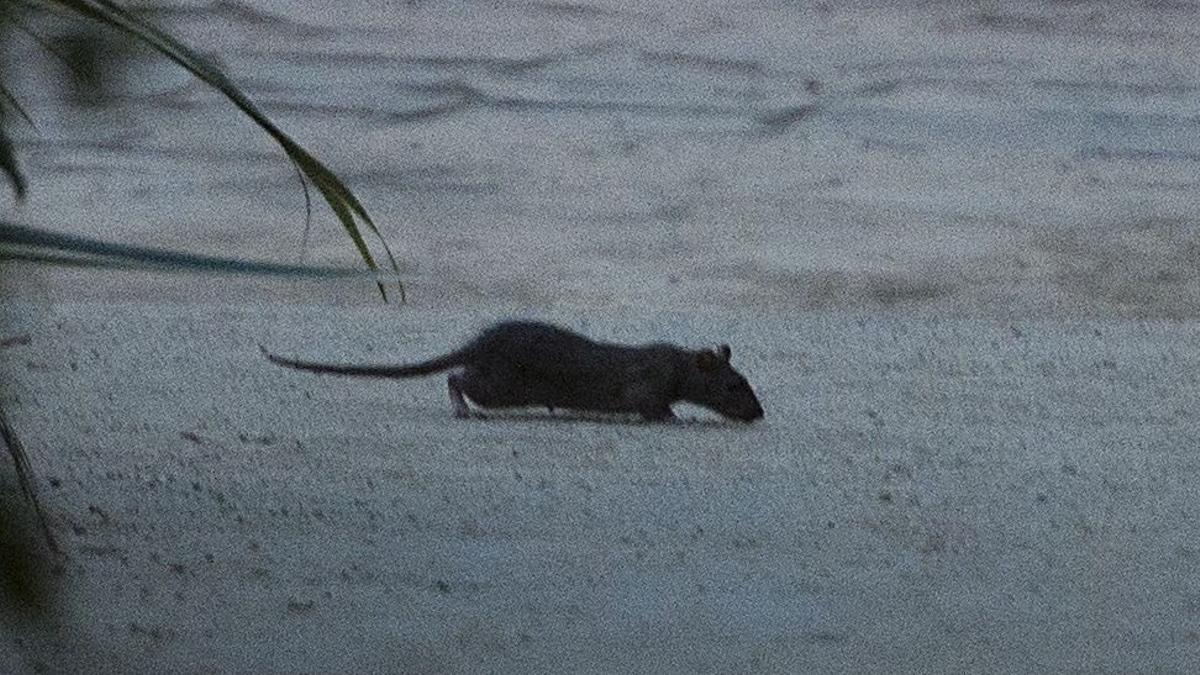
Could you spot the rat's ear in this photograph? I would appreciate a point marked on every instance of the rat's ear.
(708, 360)
(723, 350)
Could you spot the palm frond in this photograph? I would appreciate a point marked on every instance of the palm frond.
(40, 246)
(344, 204)
(9, 165)
(340, 199)
(11, 103)
(25, 478)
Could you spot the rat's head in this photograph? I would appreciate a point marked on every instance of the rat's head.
(713, 383)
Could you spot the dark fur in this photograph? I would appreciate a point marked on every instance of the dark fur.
(525, 363)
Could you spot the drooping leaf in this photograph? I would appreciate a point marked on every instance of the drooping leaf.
(25, 477)
(11, 103)
(344, 204)
(36, 245)
(8, 163)
(340, 199)
(8, 157)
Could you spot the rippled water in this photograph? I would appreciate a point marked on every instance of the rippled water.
(1036, 156)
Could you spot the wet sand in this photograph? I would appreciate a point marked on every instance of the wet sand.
(926, 494)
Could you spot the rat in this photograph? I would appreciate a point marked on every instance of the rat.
(528, 363)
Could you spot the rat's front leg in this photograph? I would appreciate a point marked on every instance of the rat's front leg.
(657, 413)
(647, 402)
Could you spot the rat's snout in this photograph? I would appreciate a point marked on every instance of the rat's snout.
(726, 392)
(755, 413)
(748, 410)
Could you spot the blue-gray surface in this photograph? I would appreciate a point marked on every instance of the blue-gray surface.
(953, 245)
(925, 495)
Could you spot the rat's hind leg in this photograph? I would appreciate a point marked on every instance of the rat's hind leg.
(490, 388)
(457, 403)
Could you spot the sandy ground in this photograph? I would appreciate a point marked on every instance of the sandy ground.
(925, 495)
(952, 246)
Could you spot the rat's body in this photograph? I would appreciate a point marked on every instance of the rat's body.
(524, 363)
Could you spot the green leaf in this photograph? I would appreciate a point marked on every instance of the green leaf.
(39, 246)
(349, 211)
(25, 477)
(8, 164)
(8, 157)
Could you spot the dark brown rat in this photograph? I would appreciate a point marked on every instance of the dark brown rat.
(526, 363)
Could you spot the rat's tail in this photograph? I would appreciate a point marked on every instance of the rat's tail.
(412, 370)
